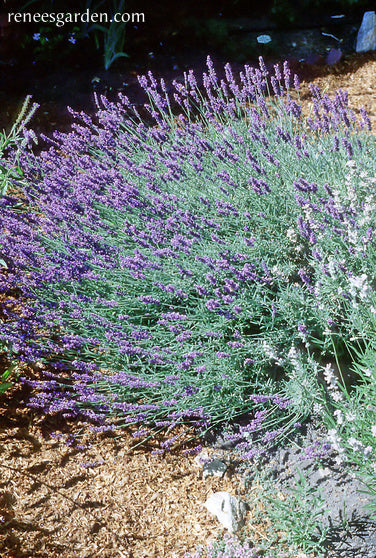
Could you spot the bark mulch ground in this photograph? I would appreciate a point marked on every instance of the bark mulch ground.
(64, 501)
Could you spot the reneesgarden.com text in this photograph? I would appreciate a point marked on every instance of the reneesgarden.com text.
(60, 18)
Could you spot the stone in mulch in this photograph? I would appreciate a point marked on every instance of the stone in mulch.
(229, 510)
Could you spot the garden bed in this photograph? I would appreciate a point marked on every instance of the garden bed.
(108, 500)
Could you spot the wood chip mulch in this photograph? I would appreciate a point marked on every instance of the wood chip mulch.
(355, 74)
(100, 499)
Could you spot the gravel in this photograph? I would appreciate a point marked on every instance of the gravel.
(351, 529)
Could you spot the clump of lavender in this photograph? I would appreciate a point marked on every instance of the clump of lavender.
(227, 547)
(351, 419)
(12, 142)
(169, 270)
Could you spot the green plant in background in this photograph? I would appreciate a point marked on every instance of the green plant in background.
(54, 43)
(15, 139)
(5, 377)
(49, 44)
(297, 516)
(114, 36)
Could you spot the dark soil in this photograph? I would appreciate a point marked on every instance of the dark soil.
(57, 80)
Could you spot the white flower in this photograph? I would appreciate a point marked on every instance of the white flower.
(269, 351)
(373, 430)
(335, 440)
(317, 408)
(360, 283)
(355, 444)
(368, 451)
(350, 416)
(333, 436)
(336, 396)
(277, 271)
(339, 416)
(329, 377)
(352, 236)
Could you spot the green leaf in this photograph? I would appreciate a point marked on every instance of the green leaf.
(113, 58)
(5, 386)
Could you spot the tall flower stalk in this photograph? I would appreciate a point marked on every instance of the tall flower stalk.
(16, 139)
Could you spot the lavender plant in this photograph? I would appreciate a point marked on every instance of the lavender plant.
(226, 547)
(349, 410)
(351, 420)
(187, 269)
(298, 517)
(15, 139)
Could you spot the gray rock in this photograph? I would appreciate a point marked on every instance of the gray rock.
(229, 510)
(366, 39)
(214, 468)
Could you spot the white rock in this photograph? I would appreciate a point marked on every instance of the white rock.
(366, 39)
(229, 510)
(324, 473)
(201, 459)
(214, 468)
